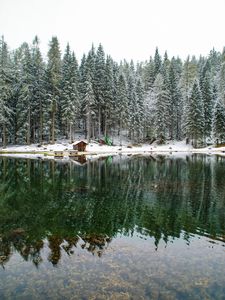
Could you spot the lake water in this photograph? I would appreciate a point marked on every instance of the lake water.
(114, 228)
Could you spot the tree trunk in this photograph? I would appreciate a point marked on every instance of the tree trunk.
(99, 122)
(53, 128)
(4, 135)
(28, 128)
(41, 125)
(70, 130)
(88, 126)
(105, 129)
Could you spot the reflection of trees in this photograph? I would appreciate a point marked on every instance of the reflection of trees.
(160, 197)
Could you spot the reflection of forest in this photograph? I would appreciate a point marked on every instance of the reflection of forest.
(66, 204)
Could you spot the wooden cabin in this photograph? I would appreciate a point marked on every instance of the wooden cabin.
(80, 146)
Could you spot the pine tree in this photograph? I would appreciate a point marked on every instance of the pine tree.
(140, 105)
(99, 86)
(157, 62)
(108, 95)
(219, 122)
(89, 106)
(38, 89)
(148, 75)
(207, 97)
(53, 80)
(70, 103)
(221, 83)
(194, 126)
(133, 106)
(122, 103)
(175, 105)
(25, 103)
(87, 80)
(161, 101)
(5, 92)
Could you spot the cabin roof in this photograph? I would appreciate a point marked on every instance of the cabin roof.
(78, 142)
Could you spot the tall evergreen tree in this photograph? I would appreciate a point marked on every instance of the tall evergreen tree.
(148, 74)
(108, 95)
(89, 106)
(207, 98)
(5, 92)
(53, 80)
(194, 126)
(38, 95)
(70, 102)
(122, 103)
(175, 107)
(99, 86)
(25, 103)
(161, 111)
(157, 62)
(221, 83)
(219, 122)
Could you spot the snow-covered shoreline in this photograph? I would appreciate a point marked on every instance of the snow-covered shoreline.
(95, 149)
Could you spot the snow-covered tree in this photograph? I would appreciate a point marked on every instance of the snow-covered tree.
(70, 101)
(161, 110)
(219, 122)
(175, 104)
(194, 121)
(157, 62)
(108, 109)
(89, 106)
(99, 86)
(207, 98)
(53, 81)
(122, 103)
(25, 103)
(5, 92)
(38, 92)
(221, 83)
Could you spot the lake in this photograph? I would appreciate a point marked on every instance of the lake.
(123, 227)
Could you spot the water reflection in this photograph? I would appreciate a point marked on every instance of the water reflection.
(63, 205)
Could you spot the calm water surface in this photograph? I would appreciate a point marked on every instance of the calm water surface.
(117, 228)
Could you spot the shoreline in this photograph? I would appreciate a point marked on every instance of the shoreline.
(96, 150)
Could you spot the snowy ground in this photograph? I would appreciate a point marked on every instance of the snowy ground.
(94, 149)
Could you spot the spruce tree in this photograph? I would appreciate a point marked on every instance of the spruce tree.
(175, 108)
(161, 101)
(122, 103)
(38, 92)
(207, 98)
(70, 102)
(219, 122)
(6, 111)
(25, 103)
(99, 86)
(194, 126)
(157, 62)
(89, 106)
(53, 81)
(108, 95)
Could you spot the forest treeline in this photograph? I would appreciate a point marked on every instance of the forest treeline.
(162, 98)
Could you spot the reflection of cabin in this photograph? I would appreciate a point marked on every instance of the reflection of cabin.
(73, 153)
(79, 146)
(81, 159)
(58, 153)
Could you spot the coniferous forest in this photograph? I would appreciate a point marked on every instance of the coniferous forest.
(160, 99)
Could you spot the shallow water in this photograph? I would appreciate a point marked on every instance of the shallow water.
(117, 228)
